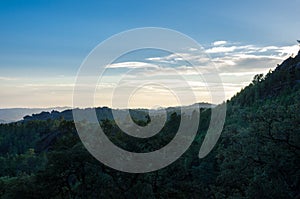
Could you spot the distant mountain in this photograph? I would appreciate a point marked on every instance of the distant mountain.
(3, 121)
(8, 115)
(106, 113)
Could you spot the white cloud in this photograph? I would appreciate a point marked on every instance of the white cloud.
(241, 62)
(288, 50)
(132, 65)
(252, 73)
(267, 48)
(219, 43)
(8, 78)
(195, 56)
(193, 49)
(50, 85)
(221, 49)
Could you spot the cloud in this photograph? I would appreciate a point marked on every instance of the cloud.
(288, 50)
(8, 78)
(50, 85)
(193, 49)
(237, 64)
(268, 48)
(219, 43)
(232, 60)
(176, 59)
(132, 65)
(238, 73)
(221, 49)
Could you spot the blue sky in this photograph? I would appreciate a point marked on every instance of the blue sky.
(50, 39)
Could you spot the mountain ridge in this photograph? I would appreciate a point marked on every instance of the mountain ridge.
(8, 115)
(106, 112)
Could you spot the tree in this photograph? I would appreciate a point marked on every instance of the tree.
(257, 78)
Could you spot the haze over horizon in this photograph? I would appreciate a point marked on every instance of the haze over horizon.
(44, 43)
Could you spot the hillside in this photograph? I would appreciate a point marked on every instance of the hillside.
(15, 114)
(106, 113)
(285, 77)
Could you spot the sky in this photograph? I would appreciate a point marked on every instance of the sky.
(43, 43)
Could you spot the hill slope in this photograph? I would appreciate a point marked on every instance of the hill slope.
(285, 77)
(15, 114)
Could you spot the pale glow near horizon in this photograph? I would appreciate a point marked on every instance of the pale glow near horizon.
(237, 65)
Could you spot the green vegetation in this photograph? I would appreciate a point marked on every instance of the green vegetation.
(257, 156)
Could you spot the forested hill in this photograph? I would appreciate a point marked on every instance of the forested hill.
(8, 115)
(282, 80)
(257, 155)
(259, 150)
(104, 113)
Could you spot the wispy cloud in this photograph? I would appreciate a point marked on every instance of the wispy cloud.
(236, 63)
(219, 43)
(221, 49)
(8, 78)
(252, 58)
(132, 65)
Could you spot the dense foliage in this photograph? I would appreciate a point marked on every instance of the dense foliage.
(257, 156)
